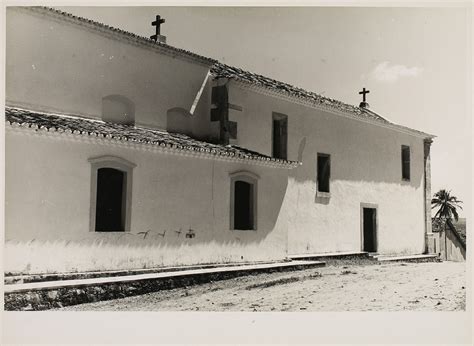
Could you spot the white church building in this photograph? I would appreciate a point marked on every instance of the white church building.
(123, 152)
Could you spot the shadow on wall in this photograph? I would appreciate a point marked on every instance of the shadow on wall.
(179, 120)
(359, 152)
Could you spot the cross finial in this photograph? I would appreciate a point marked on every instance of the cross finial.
(157, 23)
(363, 92)
(364, 104)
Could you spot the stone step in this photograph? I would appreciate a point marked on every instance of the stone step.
(328, 255)
(408, 258)
(49, 294)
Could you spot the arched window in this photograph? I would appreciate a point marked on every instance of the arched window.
(111, 194)
(118, 109)
(243, 200)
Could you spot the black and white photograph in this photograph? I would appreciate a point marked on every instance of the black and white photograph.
(253, 160)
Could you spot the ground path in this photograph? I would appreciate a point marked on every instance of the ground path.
(338, 287)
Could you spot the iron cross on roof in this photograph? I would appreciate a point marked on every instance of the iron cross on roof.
(363, 92)
(157, 23)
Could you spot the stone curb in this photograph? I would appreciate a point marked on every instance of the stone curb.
(56, 297)
(414, 259)
(30, 278)
(332, 256)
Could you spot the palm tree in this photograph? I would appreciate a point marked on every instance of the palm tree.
(448, 206)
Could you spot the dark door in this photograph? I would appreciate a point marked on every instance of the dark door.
(370, 229)
(243, 218)
(110, 200)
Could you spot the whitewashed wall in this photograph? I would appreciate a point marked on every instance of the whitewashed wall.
(65, 68)
(365, 168)
(48, 207)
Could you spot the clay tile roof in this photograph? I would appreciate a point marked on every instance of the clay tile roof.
(220, 70)
(17, 117)
(224, 71)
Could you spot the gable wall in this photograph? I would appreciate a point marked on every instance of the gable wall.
(365, 168)
(63, 67)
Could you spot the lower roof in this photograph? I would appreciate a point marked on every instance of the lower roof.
(75, 125)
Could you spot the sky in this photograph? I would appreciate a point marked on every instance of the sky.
(416, 62)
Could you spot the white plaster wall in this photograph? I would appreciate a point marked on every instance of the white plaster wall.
(57, 66)
(48, 200)
(365, 168)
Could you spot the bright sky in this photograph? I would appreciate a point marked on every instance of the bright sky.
(416, 62)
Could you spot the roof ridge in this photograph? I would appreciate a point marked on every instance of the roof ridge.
(217, 65)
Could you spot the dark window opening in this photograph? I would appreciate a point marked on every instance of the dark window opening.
(369, 229)
(324, 170)
(110, 206)
(243, 206)
(405, 162)
(280, 136)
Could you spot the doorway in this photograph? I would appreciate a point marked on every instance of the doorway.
(369, 229)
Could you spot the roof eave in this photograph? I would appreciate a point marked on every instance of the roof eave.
(34, 129)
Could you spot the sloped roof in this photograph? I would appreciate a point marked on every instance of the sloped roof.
(225, 71)
(76, 125)
(219, 70)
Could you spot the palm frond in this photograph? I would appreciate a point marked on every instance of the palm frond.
(447, 205)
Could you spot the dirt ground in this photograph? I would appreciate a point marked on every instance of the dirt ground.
(336, 287)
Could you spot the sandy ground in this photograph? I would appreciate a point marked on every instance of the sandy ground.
(336, 287)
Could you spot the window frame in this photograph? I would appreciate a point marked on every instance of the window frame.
(318, 192)
(408, 149)
(109, 161)
(250, 178)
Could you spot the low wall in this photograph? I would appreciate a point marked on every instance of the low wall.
(452, 246)
(48, 298)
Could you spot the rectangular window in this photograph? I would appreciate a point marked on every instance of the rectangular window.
(324, 171)
(405, 162)
(280, 136)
